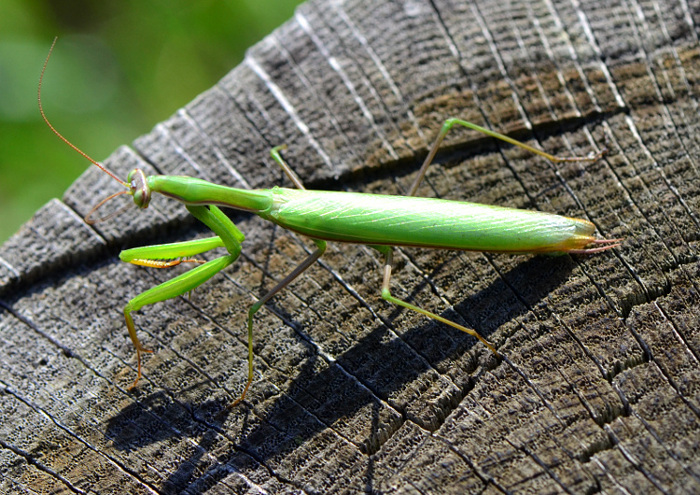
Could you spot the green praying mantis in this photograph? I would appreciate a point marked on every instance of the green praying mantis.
(379, 221)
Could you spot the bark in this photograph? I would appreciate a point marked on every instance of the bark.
(598, 386)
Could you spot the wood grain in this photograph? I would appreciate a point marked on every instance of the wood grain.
(598, 389)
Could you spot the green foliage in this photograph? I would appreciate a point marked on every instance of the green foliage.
(117, 70)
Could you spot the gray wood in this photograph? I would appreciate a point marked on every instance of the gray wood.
(598, 391)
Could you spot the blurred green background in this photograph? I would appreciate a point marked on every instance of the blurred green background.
(117, 70)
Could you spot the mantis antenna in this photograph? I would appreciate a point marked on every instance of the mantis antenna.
(88, 218)
(64, 139)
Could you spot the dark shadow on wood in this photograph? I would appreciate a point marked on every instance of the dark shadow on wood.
(332, 394)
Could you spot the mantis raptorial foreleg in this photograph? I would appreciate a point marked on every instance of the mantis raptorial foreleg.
(228, 235)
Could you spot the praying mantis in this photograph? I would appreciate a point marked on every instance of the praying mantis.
(379, 221)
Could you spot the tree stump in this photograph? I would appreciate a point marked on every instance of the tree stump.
(598, 386)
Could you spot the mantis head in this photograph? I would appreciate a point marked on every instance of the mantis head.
(136, 185)
(138, 188)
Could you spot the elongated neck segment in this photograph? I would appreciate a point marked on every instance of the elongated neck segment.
(192, 191)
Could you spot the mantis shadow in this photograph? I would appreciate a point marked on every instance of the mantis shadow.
(371, 376)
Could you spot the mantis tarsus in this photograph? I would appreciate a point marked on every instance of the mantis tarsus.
(379, 221)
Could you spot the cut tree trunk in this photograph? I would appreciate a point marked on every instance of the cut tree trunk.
(598, 386)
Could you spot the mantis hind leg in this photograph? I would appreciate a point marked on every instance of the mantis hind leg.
(386, 295)
(450, 123)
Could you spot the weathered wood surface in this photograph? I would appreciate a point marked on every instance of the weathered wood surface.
(599, 387)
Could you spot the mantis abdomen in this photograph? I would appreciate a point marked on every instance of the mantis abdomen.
(425, 222)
